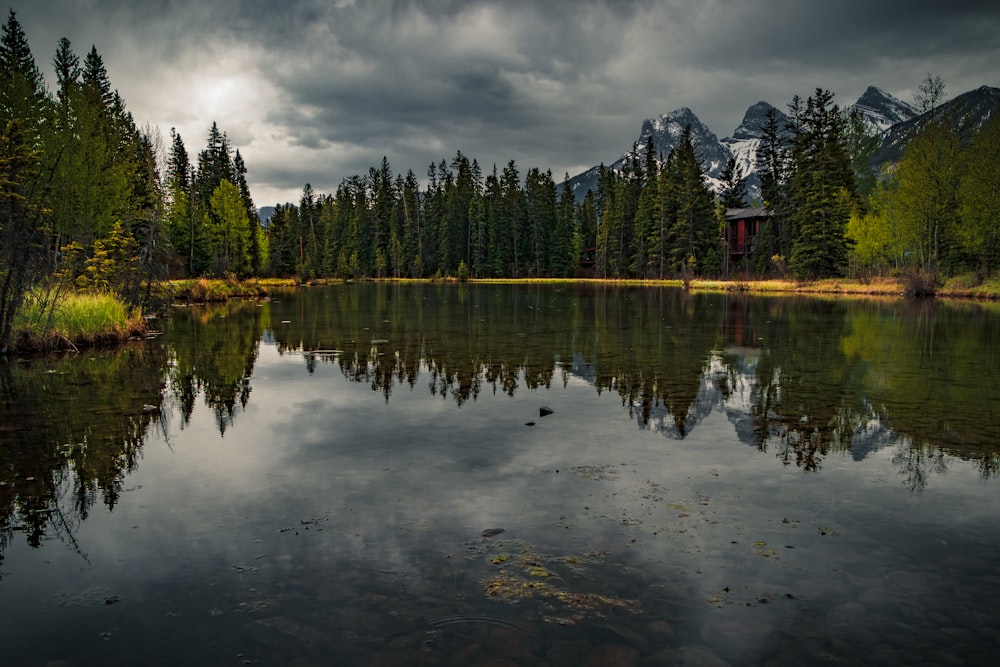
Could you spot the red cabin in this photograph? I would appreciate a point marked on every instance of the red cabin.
(743, 226)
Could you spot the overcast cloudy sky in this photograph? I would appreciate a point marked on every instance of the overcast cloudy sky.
(317, 90)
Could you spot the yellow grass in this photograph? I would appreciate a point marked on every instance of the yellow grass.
(219, 290)
(79, 319)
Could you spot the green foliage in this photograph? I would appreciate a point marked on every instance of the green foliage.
(979, 199)
(113, 265)
(821, 188)
(870, 242)
(924, 200)
(229, 231)
(23, 230)
(734, 186)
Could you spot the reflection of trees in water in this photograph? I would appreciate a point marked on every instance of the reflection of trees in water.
(801, 378)
(71, 430)
(213, 351)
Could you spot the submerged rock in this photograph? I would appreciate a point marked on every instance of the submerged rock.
(493, 532)
(545, 411)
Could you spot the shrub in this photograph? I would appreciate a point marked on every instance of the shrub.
(918, 283)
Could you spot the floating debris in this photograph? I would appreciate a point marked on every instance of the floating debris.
(493, 532)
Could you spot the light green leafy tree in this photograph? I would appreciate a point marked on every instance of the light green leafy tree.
(924, 203)
(230, 230)
(979, 198)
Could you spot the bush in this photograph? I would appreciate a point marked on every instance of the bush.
(918, 283)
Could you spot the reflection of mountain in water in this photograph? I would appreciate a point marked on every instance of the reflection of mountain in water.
(799, 378)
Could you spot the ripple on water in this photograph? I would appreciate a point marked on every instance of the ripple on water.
(480, 618)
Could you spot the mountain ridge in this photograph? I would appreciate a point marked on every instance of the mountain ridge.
(890, 118)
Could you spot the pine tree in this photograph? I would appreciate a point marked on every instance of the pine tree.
(607, 222)
(564, 242)
(666, 212)
(67, 67)
(821, 188)
(257, 239)
(861, 144)
(495, 237)
(693, 233)
(22, 90)
(540, 218)
(181, 229)
(586, 216)
(772, 164)
(412, 246)
(734, 185)
(511, 221)
(644, 223)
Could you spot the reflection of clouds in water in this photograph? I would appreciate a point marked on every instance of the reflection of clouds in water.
(387, 481)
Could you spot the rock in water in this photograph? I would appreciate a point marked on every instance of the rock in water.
(545, 411)
(492, 532)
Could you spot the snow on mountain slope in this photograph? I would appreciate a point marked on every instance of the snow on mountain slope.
(880, 110)
(894, 120)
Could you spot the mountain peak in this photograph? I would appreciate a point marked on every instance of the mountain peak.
(672, 122)
(754, 119)
(880, 110)
(667, 129)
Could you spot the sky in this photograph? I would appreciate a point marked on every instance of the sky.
(315, 91)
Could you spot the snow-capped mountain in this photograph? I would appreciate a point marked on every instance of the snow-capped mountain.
(893, 119)
(967, 112)
(745, 141)
(880, 110)
(666, 131)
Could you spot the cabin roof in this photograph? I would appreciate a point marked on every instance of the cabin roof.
(749, 212)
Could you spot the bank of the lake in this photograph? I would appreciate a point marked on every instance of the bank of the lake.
(207, 290)
(76, 320)
(84, 319)
(200, 290)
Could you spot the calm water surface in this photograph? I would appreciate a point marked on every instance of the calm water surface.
(679, 480)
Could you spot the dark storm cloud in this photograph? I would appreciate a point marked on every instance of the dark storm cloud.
(314, 90)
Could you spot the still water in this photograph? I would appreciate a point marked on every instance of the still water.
(497, 475)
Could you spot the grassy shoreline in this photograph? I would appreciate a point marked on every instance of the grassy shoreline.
(78, 320)
(83, 319)
(962, 287)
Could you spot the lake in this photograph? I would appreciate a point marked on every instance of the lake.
(490, 475)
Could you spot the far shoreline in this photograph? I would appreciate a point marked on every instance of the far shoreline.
(203, 289)
(206, 290)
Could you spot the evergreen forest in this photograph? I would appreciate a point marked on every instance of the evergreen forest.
(92, 200)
